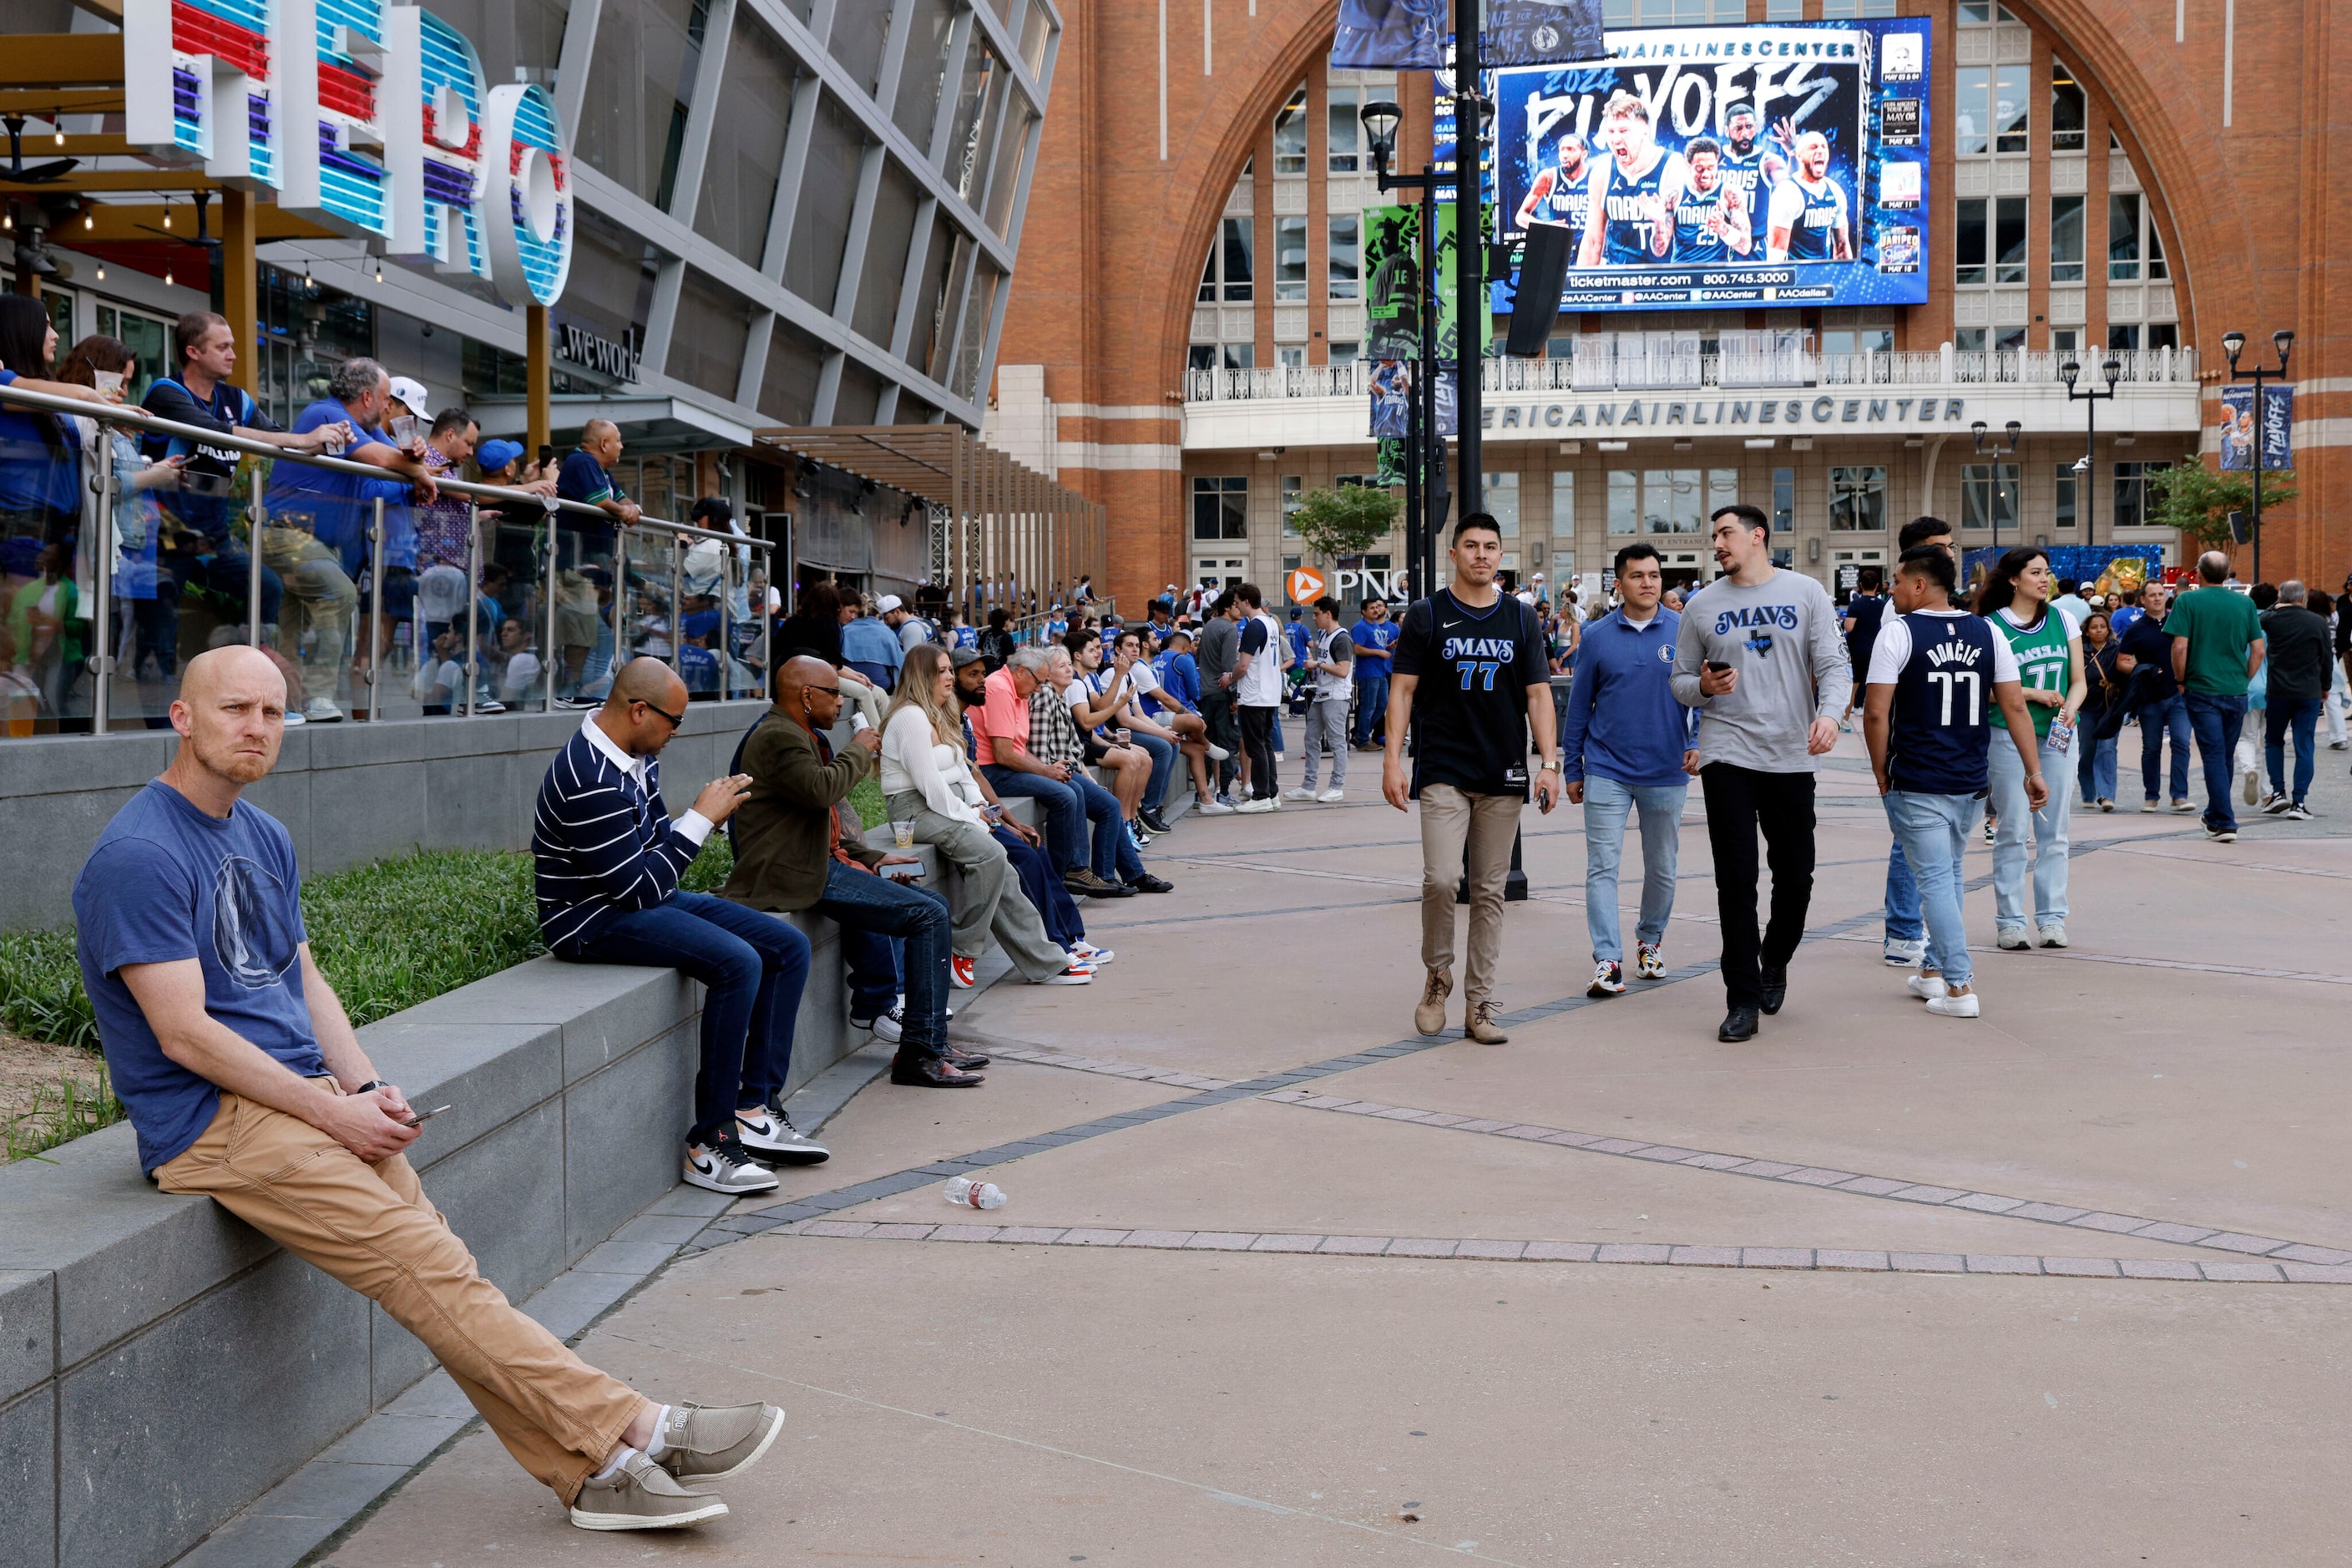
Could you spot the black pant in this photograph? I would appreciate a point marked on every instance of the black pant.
(1257, 740)
(1217, 711)
(1740, 801)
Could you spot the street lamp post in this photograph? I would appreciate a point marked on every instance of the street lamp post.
(2111, 369)
(1996, 449)
(2234, 344)
(1469, 258)
(1424, 452)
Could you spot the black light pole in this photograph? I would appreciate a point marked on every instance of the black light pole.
(2111, 371)
(1469, 257)
(2014, 429)
(2234, 344)
(1381, 120)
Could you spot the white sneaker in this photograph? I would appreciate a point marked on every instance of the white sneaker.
(722, 1170)
(1213, 808)
(1216, 754)
(293, 716)
(1333, 796)
(1927, 987)
(889, 1028)
(2010, 939)
(2181, 803)
(2149, 805)
(1951, 1006)
(1301, 793)
(2250, 785)
(770, 1134)
(319, 710)
(1903, 954)
(1251, 807)
(489, 705)
(1090, 954)
(1073, 975)
(2052, 934)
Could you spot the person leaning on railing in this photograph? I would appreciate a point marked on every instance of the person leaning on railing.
(40, 493)
(245, 1083)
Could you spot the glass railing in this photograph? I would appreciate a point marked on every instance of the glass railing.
(486, 600)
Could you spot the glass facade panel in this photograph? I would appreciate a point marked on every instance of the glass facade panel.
(705, 348)
(1220, 506)
(795, 360)
(1290, 135)
(821, 228)
(2065, 240)
(1289, 259)
(1989, 494)
(747, 141)
(884, 271)
(923, 78)
(1858, 500)
(634, 115)
(861, 33)
(1343, 258)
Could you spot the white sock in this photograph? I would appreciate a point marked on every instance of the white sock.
(655, 1449)
(619, 1460)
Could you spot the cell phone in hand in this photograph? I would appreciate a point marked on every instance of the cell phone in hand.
(1717, 666)
(424, 1116)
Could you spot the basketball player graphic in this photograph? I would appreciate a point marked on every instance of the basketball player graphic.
(1808, 221)
(1630, 225)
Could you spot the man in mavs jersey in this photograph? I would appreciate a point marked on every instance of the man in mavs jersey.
(1630, 225)
(1938, 675)
(1711, 226)
(1562, 194)
(1807, 219)
(1756, 169)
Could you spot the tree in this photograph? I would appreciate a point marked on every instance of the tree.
(1345, 522)
(2197, 501)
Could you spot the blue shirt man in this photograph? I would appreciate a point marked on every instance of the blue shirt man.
(1626, 744)
(870, 647)
(1179, 674)
(340, 505)
(1373, 635)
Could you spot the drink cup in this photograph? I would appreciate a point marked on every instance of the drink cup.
(904, 832)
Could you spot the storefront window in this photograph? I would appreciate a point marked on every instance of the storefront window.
(1858, 500)
(1220, 508)
(1625, 501)
(2062, 506)
(1989, 494)
(2131, 493)
(1503, 502)
(1784, 501)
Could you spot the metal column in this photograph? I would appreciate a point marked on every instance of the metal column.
(102, 662)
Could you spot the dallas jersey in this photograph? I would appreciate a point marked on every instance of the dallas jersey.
(1811, 214)
(1569, 204)
(1943, 666)
(1626, 233)
(1754, 196)
(1695, 241)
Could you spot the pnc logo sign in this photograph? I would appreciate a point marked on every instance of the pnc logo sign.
(1304, 586)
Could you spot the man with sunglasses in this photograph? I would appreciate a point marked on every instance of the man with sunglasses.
(608, 861)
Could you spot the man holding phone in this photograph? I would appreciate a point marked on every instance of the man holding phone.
(245, 1083)
(1762, 655)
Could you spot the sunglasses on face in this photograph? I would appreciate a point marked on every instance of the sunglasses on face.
(675, 718)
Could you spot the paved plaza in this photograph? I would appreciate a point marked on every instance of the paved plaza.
(1281, 1282)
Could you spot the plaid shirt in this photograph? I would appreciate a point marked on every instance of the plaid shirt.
(1053, 732)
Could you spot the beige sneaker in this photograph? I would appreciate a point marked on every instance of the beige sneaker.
(1480, 1025)
(1429, 1016)
(700, 1443)
(642, 1497)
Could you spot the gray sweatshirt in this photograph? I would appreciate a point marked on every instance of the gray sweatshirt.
(1785, 639)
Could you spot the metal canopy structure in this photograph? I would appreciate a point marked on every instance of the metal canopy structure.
(997, 526)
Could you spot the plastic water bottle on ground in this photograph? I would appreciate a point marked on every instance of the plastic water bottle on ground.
(965, 1192)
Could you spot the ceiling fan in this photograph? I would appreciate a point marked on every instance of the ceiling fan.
(202, 237)
(38, 173)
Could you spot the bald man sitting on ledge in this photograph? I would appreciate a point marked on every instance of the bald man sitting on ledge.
(245, 1083)
(608, 859)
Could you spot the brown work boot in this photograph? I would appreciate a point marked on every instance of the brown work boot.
(1480, 1025)
(1429, 1016)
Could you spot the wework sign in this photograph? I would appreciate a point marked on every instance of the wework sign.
(592, 350)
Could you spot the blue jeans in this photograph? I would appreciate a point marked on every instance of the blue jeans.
(1065, 809)
(1606, 803)
(1903, 917)
(1043, 884)
(2216, 723)
(2045, 830)
(1371, 708)
(2301, 714)
(753, 966)
(2097, 771)
(1932, 831)
(1163, 770)
(2155, 720)
(1115, 857)
(871, 908)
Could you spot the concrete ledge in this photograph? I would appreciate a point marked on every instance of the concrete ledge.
(162, 1366)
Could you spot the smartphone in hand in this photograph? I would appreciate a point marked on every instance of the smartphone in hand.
(424, 1116)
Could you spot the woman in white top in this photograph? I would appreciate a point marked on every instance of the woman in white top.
(927, 781)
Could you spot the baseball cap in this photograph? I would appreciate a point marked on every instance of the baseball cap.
(961, 656)
(411, 394)
(1175, 632)
(495, 455)
(888, 603)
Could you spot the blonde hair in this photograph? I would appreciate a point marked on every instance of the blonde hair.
(1623, 105)
(918, 679)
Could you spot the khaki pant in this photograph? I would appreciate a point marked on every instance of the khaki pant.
(1450, 818)
(373, 1229)
(989, 900)
(319, 599)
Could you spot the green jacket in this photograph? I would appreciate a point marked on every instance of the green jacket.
(783, 831)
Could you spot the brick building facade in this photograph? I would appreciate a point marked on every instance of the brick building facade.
(1191, 405)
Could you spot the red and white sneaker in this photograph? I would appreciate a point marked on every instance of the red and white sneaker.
(1074, 975)
(959, 972)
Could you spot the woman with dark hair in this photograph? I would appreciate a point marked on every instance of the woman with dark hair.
(814, 629)
(2015, 597)
(996, 643)
(40, 495)
(2097, 771)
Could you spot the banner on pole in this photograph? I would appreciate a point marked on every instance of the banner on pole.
(1388, 35)
(1392, 282)
(1527, 32)
(1391, 398)
(2238, 431)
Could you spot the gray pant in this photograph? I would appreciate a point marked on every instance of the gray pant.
(988, 898)
(1326, 730)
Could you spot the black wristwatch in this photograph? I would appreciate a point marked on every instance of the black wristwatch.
(371, 1087)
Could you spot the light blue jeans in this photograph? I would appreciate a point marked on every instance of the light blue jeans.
(1606, 802)
(2046, 828)
(1903, 922)
(1933, 830)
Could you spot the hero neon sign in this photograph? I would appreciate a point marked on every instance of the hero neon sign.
(373, 119)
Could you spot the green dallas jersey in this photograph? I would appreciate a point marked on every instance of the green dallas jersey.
(2043, 658)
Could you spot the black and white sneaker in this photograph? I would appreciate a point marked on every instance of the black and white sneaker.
(769, 1135)
(891, 1026)
(2276, 803)
(724, 1167)
(2298, 812)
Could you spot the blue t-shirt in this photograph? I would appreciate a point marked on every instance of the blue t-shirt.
(340, 505)
(1384, 635)
(583, 478)
(33, 473)
(167, 882)
(1181, 675)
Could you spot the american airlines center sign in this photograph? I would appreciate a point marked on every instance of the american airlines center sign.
(1651, 417)
(373, 119)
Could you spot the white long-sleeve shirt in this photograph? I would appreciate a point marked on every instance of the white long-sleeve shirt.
(914, 759)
